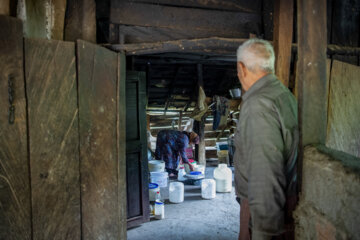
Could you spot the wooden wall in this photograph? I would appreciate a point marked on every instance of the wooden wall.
(62, 171)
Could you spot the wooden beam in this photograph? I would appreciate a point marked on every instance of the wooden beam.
(5, 7)
(43, 18)
(201, 125)
(193, 21)
(283, 33)
(183, 50)
(231, 5)
(180, 121)
(215, 45)
(311, 75)
(80, 22)
(312, 80)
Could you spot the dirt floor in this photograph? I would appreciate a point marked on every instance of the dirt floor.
(195, 218)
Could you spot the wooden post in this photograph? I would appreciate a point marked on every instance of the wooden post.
(312, 84)
(201, 125)
(180, 121)
(43, 18)
(5, 7)
(283, 32)
(80, 22)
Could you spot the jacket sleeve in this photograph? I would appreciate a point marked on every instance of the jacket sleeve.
(266, 179)
(182, 149)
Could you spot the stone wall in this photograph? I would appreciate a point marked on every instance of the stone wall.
(329, 205)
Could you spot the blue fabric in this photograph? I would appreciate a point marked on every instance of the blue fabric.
(171, 144)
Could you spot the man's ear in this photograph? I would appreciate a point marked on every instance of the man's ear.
(243, 69)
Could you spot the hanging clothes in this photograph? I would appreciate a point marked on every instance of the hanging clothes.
(220, 111)
(201, 106)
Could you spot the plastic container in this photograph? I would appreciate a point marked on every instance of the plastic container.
(208, 188)
(156, 166)
(153, 189)
(223, 178)
(200, 168)
(181, 174)
(159, 210)
(160, 178)
(176, 192)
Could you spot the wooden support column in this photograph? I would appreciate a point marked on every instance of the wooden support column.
(313, 84)
(311, 74)
(42, 18)
(5, 7)
(283, 33)
(180, 121)
(80, 22)
(200, 148)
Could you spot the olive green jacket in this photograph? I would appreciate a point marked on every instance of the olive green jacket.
(266, 142)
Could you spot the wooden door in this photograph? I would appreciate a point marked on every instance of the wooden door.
(101, 162)
(50, 73)
(15, 220)
(136, 150)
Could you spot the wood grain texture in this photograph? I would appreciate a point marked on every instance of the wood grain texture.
(121, 143)
(44, 18)
(311, 71)
(54, 145)
(343, 132)
(231, 5)
(15, 208)
(80, 21)
(192, 20)
(282, 40)
(97, 76)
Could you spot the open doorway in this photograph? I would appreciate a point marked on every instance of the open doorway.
(172, 84)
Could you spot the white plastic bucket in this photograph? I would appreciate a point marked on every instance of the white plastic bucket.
(156, 166)
(200, 168)
(153, 189)
(223, 178)
(160, 178)
(208, 188)
(176, 192)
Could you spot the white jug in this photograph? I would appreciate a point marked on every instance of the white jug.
(223, 178)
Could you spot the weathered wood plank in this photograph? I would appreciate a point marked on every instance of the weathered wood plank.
(121, 143)
(231, 5)
(97, 77)
(215, 23)
(311, 71)
(282, 40)
(80, 21)
(15, 208)
(343, 129)
(43, 18)
(5, 7)
(53, 138)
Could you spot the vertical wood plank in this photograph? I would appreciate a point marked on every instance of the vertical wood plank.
(15, 207)
(5, 7)
(201, 150)
(97, 77)
(311, 71)
(282, 40)
(53, 138)
(344, 109)
(80, 21)
(121, 138)
(43, 18)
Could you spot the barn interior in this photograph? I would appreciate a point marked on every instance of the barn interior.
(84, 83)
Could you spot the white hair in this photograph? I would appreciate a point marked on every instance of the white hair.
(257, 55)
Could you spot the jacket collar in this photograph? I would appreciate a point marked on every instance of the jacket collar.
(258, 85)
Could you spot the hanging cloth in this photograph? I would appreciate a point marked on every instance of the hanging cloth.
(201, 106)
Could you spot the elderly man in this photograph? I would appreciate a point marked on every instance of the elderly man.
(266, 143)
